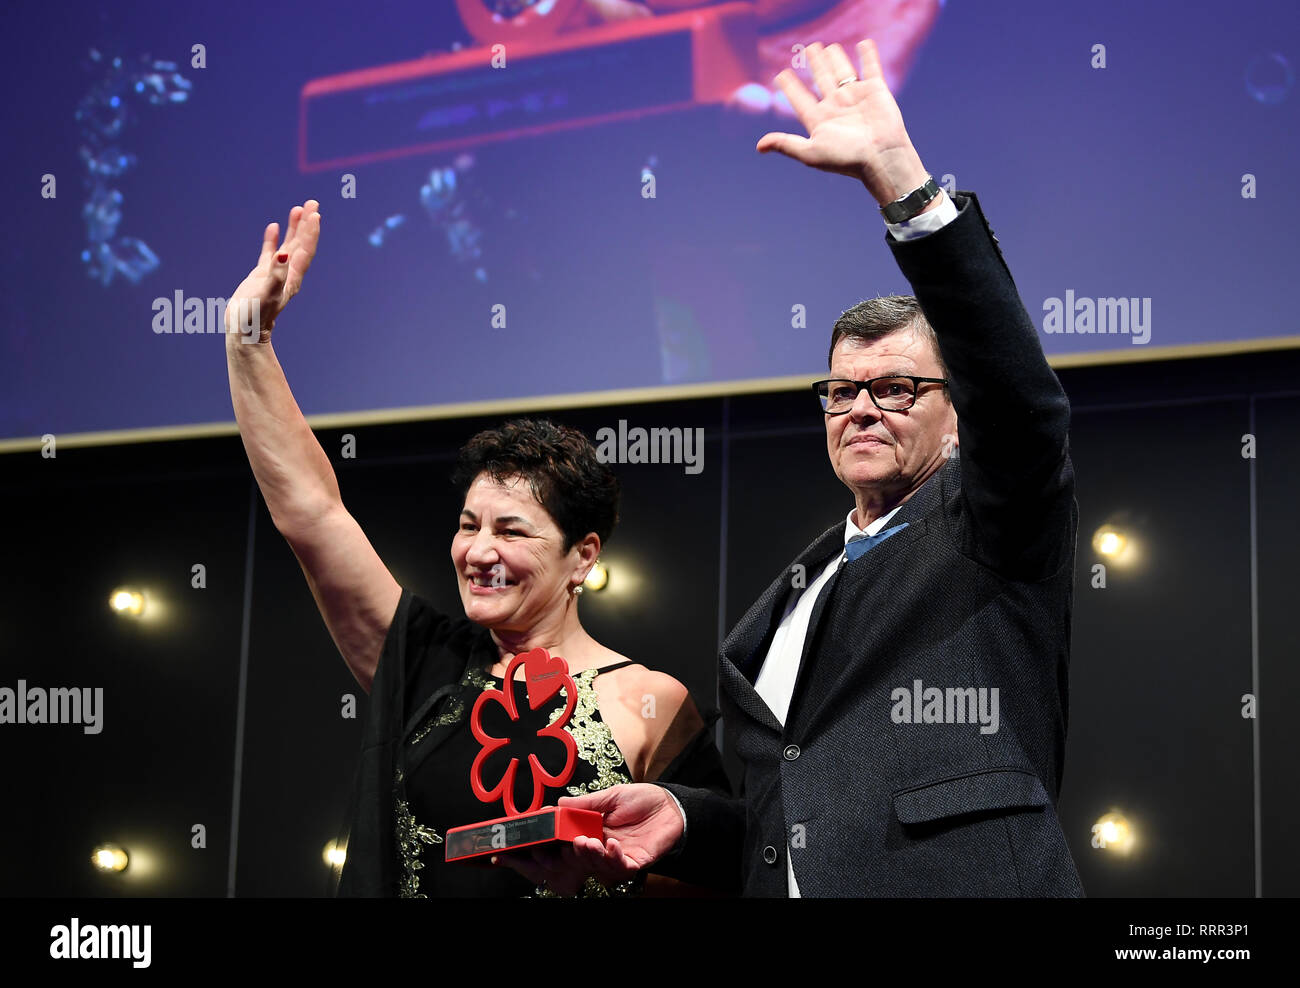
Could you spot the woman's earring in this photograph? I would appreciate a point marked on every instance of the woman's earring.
(577, 589)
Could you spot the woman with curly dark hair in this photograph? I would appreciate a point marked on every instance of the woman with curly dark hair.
(538, 506)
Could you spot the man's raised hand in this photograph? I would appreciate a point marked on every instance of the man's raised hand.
(855, 129)
(277, 276)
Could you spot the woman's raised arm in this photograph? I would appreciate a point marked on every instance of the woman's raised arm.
(354, 591)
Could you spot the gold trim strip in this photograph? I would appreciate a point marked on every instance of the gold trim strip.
(617, 396)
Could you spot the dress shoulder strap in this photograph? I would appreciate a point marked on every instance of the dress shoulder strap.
(611, 668)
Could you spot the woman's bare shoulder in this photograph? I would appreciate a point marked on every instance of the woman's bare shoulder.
(639, 680)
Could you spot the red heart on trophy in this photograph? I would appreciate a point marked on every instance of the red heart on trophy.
(545, 676)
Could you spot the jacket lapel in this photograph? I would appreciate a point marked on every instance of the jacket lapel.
(743, 651)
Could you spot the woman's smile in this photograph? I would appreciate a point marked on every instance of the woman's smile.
(488, 582)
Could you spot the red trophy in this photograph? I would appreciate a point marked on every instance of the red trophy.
(545, 675)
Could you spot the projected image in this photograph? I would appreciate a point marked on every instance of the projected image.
(571, 189)
(586, 62)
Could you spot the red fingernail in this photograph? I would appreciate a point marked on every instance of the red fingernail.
(282, 257)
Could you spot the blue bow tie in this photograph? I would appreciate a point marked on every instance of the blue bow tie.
(860, 545)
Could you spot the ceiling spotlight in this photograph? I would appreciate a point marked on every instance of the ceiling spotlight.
(1108, 541)
(597, 578)
(1117, 541)
(335, 854)
(1112, 832)
(109, 857)
(127, 602)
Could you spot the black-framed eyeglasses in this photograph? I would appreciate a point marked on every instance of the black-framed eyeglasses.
(890, 394)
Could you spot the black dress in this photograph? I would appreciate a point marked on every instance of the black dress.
(413, 780)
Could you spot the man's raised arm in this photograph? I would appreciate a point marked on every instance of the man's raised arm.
(1012, 414)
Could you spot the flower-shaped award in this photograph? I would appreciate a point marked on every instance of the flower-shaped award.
(544, 676)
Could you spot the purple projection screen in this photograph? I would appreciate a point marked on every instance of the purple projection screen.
(565, 205)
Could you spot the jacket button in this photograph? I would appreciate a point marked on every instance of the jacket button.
(769, 854)
(791, 752)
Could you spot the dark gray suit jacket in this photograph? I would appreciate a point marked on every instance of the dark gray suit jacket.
(975, 593)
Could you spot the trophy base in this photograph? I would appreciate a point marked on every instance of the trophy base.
(510, 833)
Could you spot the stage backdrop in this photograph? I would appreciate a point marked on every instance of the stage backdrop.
(558, 204)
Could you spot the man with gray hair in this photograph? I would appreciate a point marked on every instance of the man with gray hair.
(901, 717)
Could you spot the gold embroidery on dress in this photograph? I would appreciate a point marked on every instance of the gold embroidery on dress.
(455, 711)
(410, 835)
(591, 889)
(597, 748)
(477, 677)
(596, 744)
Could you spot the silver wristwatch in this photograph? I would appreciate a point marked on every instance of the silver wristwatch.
(901, 210)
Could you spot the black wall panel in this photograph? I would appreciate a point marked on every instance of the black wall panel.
(1161, 659)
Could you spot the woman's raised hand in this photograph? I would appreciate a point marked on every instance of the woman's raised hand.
(251, 312)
